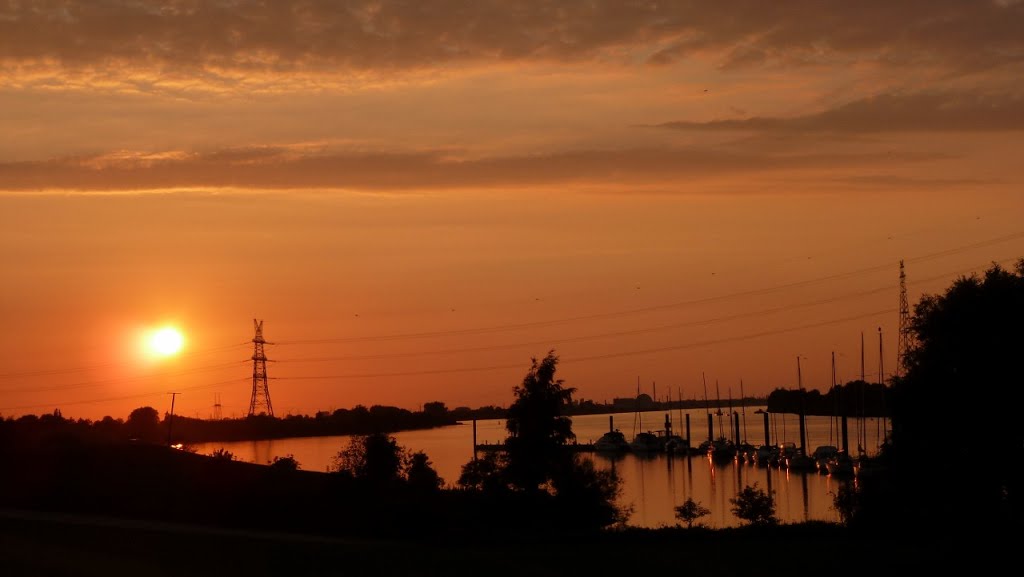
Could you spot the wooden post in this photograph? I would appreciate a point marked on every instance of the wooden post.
(711, 427)
(803, 434)
(474, 439)
(736, 428)
(846, 435)
(688, 430)
(611, 423)
(767, 430)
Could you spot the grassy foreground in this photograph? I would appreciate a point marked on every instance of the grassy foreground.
(58, 544)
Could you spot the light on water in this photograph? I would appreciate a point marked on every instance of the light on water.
(652, 485)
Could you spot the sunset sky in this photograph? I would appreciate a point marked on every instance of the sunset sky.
(418, 197)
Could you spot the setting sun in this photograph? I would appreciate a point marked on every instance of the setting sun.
(166, 341)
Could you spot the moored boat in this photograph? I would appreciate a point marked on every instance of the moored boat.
(647, 443)
(800, 462)
(821, 455)
(722, 450)
(612, 442)
(765, 454)
(840, 465)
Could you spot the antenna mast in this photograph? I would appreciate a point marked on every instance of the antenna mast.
(260, 401)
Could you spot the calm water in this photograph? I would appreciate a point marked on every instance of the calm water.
(653, 485)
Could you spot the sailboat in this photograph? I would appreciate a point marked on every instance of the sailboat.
(865, 465)
(645, 442)
(799, 460)
(721, 450)
(744, 450)
(674, 443)
(825, 453)
(841, 463)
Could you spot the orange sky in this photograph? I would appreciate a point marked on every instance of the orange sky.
(417, 198)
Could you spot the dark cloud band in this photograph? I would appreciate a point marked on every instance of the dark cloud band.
(241, 34)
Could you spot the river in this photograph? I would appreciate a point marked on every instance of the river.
(652, 486)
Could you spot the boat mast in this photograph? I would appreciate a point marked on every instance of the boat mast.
(654, 392)
(862, 431)
(732, 429)
(679, 394)
(800, 419)
(718, 409)
(707, 405)
(636, 415)
(832, 391)
(743, 410)
(881, 381)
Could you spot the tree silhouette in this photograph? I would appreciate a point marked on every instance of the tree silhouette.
(144, 424)
(484, 474)
(965, 363)
(536, 462)
(375, 458)
(538, 429)
(690, 511)
(755, 506)
(420, 473)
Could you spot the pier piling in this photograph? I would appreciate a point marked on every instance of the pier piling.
(803, 434)
(767, 430)
(846, 435)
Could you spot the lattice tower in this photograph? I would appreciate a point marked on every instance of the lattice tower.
(260, 402)
(904, 336)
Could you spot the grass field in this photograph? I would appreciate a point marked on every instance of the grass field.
(58, 545)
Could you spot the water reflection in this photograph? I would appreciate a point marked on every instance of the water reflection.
(651, 487)
(652, 484)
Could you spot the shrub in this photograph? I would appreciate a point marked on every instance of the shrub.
(755, 506)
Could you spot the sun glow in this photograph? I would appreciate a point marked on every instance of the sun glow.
(166, 342)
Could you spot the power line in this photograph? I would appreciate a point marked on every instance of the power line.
(126, 380)
(645, 330)
(100, 366)
(655, 308)
(122, 397)
(692, 345)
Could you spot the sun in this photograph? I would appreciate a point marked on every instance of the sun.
(166, 342)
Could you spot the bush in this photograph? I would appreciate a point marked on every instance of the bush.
(376, 458)
(755, 506)
(483, 474)
(421, 475)
(223, 454)
(690, 511)
(286, 463)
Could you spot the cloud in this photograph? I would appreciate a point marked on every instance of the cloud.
(288, 168)
(921, 112)
(215, 36)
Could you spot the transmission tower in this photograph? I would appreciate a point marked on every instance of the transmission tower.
(260, 402)
(217, 407)
(903, 344)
